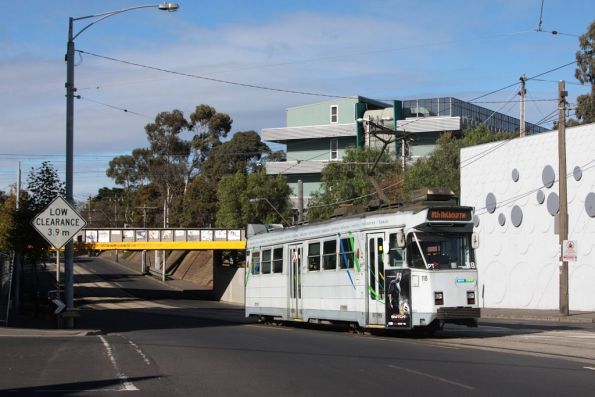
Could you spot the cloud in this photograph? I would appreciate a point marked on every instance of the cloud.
(389, 51)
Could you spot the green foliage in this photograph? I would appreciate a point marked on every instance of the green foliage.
(199, 203)
(237, 155)
(348, 180)
(186, 172)
(441, 168)
(585, 73)
(243, 200)
(43, 185)
(7, 223)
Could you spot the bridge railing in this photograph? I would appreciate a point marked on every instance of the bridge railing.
(155, 238)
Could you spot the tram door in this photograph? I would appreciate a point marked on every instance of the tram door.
(295, 281)
(375, 279)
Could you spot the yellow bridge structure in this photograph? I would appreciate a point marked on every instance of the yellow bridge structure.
(102, 239)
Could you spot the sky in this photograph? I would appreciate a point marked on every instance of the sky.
(381, 49)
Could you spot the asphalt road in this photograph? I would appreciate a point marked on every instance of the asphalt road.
(157, 343)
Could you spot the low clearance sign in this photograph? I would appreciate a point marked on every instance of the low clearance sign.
(58, 223)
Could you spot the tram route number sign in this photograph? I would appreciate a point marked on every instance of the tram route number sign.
(58, 223)
(569, 251)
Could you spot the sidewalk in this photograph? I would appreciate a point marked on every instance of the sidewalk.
(537, 315)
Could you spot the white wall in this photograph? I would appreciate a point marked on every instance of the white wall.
(234, 293)
(518, 266)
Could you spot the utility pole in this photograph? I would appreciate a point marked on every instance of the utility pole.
(522, 103)
(300, 203)
(563, 216)
(18, 197)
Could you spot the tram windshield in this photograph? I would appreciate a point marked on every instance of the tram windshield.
(439, 251)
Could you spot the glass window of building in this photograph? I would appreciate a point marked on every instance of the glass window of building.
(334, 114)
(334, 149)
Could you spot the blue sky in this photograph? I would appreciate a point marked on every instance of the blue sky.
(381, 49)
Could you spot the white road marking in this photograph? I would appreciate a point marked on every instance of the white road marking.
(591, 368)
(139, 351)
(127, 385)
(434, 377)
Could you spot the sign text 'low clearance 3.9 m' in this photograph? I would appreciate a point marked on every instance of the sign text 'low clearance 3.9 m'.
(58, 223)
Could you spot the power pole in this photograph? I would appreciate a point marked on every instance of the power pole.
(522, 109)
(18, 197)
(563, 216)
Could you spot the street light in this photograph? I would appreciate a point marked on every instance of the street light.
(255, 200)
(70, 91)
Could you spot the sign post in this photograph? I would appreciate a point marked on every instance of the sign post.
(58, 223)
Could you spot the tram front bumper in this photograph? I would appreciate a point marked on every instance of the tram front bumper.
(459, 315)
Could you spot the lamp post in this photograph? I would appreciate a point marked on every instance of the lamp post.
(70, 93)
(255, 200)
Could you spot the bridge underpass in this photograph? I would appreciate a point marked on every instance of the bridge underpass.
(194, 255)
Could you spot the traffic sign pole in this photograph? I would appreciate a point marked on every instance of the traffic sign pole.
(58, 223)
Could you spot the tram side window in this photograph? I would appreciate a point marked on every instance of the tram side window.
(346, 257)
(255, 262)
(266, 261)
(313, 256)
(278, 260)
(329, 255)
(395, 254)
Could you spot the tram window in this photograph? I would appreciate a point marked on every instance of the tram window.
(440, 251)
(278, 260)
(255, 262)
(266, 261)
(314, 256)
(329, 255)
(346, 257)
(395, 254)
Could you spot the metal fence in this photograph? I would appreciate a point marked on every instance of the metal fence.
(6, 269)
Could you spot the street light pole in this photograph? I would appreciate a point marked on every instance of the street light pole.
(70, 93)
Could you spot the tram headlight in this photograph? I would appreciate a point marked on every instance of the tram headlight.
(438, 298)
(470, 297)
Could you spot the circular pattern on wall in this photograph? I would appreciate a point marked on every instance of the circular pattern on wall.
(501, 219)
(548, 176)
(590, 204)
(515, 175)
(516, 216)
(553, 204)
(491, 203)
(475, 221)
(540, 196)
(577, 173)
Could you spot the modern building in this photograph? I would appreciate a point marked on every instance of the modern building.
(514, 189)
(318, 133)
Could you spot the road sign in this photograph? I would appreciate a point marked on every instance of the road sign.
(58, 223)
(60, 306)
(569, 251)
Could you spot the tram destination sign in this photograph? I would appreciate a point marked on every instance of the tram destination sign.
(58, 223)
(446, 214)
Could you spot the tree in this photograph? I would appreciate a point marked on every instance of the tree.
(442, 167)
(349, 181)
(208, 126)
(129, 171)
(585, 73)
(236, 192)
(43, 185)
(239, 154)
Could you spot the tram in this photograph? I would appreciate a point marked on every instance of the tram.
(407, 267)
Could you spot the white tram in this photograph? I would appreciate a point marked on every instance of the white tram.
(407, 267)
